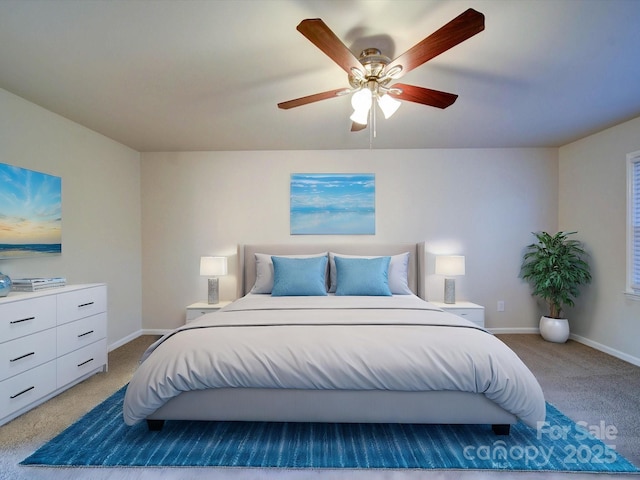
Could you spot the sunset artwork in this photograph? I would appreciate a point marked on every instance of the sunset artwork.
(30, 213)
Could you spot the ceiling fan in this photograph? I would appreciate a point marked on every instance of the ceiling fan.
(372, 73)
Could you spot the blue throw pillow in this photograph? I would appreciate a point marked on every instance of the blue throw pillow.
(299, 276)
(398, 272)
(363, 276)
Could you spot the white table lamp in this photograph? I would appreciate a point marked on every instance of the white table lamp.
(213, 267)
(450, 266)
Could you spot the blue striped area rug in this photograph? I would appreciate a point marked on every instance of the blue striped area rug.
(101, 438)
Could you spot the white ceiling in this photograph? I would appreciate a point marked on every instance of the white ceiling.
(171, 75)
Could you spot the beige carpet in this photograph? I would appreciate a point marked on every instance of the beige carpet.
(53, 416)
(585, 384)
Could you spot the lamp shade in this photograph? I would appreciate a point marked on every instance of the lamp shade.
(213, 266)
(450, 265)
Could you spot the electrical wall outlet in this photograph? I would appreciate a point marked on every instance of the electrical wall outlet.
(501, 305)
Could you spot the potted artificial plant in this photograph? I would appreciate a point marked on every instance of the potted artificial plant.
(555, 267)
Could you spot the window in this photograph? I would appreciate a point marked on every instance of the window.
(633, 224)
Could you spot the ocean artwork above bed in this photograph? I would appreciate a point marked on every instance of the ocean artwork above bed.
(333, 204)
(30, 213)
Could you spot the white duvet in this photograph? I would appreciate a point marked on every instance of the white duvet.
(352, 343)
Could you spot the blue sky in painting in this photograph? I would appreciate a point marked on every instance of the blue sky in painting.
(30, 206)
(333, 203)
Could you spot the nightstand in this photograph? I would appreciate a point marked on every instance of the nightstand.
(471, 311)
(196, 310)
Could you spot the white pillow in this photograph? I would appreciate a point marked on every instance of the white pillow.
(264, 270)
(398, 272)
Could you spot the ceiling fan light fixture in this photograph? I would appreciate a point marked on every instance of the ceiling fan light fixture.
(360, 116)
(394, 71)
(362, 100)
(357, 74)
(388, 105)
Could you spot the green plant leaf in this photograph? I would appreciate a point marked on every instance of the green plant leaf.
(555, 267)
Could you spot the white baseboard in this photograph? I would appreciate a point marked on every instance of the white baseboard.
(585, 341)
(124, 340)
(526, 330)
(514, 330)
(139, 333)
(603, 348)
(156, 331)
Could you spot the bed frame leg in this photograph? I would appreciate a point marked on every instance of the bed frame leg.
(501, 429)
(155, 425)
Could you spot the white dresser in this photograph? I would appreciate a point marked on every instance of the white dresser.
(49, 341)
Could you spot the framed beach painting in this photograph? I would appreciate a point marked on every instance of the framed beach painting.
(30, 213)
(333, 204)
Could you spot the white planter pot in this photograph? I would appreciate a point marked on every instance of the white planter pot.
(554, 329)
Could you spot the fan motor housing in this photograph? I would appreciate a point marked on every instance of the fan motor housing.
(373, 61)
(374, 64)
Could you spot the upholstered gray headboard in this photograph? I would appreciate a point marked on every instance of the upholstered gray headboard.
(247, 263)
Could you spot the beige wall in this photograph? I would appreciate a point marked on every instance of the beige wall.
(592, 200)
(482, 203)
(133, 220)
(101, 238)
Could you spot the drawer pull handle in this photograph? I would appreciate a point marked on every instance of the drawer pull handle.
(22, 356)
(22, 320)
(88, 304)
(85, 362)
(22, 392)
(85, 333)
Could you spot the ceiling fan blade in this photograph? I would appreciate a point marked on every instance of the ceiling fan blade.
(356, 127)
(461, 28)
(425, 96)
(318, 33)
(312, 98)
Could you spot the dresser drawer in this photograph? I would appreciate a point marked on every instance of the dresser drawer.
(81, 303)
(24, 353)
(24, 317)
(24, 389)
(74, 335)
(80, 362)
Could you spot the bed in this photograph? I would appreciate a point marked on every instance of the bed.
(357, 352)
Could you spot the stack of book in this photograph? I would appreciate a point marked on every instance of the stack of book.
(36, 284)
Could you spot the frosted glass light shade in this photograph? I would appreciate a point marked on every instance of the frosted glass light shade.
(388, 105)
(213, 266)
(360, 116)
(361, 100)
(450, 265)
